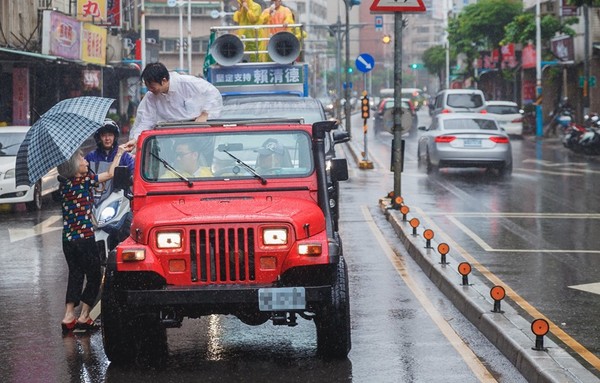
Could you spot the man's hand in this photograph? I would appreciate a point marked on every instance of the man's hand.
(129, 145)
(203, 117)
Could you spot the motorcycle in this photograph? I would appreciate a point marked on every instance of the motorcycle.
(113, 215)
(589, 142)
(113, 220)
(562, 118)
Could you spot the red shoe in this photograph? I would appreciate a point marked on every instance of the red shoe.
(90, 325)
(68, 327)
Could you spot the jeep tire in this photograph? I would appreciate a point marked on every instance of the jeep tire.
(116, 332)
(333, 319)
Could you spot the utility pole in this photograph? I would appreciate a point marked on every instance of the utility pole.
(398, 142)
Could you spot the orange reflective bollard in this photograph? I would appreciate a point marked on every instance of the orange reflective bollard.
(428, 235)
(540, 327)
(404, 210)
(414, 223)
(497, 293)
(443, 249)
(464, 268)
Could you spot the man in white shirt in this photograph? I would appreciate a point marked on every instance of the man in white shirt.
(173, 97)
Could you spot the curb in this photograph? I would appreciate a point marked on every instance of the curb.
(508, 331)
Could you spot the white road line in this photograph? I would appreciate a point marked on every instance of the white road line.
(487, 247)
(593, 288)
(471, 360)
(39, 229)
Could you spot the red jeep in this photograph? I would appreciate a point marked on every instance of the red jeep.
(229, 218)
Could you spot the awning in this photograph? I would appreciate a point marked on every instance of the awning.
(30, 54)
(48, 57)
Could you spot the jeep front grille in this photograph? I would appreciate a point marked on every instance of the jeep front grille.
(222, 255)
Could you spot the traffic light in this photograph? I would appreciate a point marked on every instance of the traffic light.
(386, 39)
(350, 70)
(414, 66)
(365, 107)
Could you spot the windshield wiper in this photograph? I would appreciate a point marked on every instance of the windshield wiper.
(171, 168)
(262, 179)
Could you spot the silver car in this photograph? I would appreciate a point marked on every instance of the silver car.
(464, 140)
(10, 141)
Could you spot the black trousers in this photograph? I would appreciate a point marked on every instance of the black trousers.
(83, 260)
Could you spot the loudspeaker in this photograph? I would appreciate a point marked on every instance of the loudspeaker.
(283, 47)
(227, 50)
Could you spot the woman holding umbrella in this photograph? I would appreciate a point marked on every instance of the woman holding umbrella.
(79, 244)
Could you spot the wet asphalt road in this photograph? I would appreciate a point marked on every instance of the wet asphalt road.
(534, 233)
(403, 329)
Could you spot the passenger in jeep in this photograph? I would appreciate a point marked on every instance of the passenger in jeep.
(189, 161)
(272, 155)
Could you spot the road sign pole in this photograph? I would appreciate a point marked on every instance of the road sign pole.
(397, 112)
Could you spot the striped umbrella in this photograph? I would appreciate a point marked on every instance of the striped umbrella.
(58, 133)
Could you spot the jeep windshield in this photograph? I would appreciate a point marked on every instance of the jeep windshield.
(227, 155)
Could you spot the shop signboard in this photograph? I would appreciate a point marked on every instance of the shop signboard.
(62, 36)
(91, 10)
(93, 44)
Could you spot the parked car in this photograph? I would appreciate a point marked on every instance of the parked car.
(11, 138)
(508, 114)
(464, 140)
(459, 100)
(383, 119)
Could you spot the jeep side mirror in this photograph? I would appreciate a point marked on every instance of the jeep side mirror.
(339, 169)
(122, 178)
(340, 137)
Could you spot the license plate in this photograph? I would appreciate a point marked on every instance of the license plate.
(281, 298)
(472, 143)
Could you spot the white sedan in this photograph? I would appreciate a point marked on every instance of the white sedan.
(508, 115)
(464, 140)
(11, 138)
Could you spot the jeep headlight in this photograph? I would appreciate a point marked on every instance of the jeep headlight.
(168, 240)
(275, 236)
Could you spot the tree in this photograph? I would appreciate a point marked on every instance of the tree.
(434, 59)
(522, 28)
(481, 26)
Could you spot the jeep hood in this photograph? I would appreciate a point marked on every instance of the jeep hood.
(223, 211)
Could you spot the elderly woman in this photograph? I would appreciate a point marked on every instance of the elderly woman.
(78, 240)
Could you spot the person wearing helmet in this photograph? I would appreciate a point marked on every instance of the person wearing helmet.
(106, 138)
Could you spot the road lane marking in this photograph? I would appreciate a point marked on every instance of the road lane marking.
(39, 229)
(488, 248)
(593, 288)
(532, 311)
(471, 360)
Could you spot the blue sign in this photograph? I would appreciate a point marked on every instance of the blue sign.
(365, 62)
(379, 23)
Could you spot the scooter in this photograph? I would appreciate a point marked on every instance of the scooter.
(113, 220)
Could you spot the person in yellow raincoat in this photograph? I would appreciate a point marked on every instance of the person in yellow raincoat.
(249, 13)
(275, 14)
